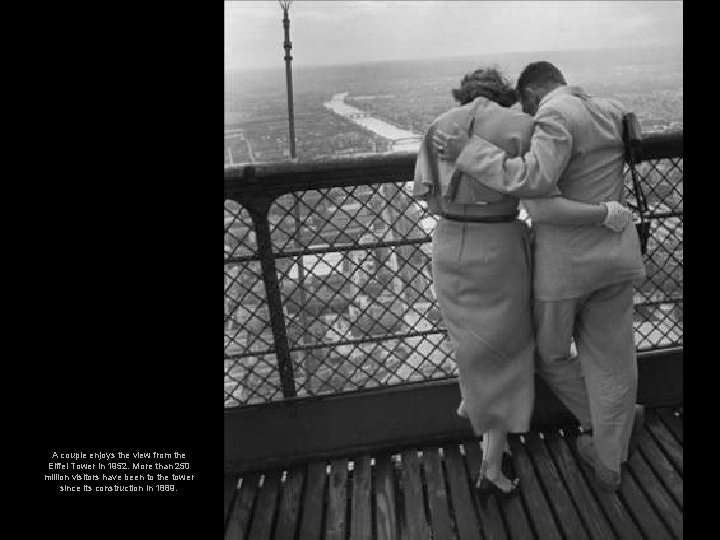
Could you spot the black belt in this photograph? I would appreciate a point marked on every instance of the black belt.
(478, 219)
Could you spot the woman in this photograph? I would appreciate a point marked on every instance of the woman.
(481, 265)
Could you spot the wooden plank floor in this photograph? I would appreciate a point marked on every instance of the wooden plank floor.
(427, 493)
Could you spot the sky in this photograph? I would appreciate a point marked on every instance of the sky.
(346, 32)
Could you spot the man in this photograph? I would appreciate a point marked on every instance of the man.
(583, 280)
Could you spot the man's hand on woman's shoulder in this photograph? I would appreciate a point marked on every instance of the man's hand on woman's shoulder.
(449, 145)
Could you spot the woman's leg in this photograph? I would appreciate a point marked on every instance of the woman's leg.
(462, 410)
(493, 446)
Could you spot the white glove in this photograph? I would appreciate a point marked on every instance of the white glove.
(618, 217)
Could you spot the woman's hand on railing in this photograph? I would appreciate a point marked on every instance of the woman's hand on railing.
(618, 217)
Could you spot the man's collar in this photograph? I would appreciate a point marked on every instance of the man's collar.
(564, 89)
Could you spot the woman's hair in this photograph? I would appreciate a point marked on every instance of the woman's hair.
(488, 83)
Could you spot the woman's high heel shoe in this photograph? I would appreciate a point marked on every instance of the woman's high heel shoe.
(506, 466)
(486, 487)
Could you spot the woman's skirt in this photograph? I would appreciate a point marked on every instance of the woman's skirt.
(482, 280)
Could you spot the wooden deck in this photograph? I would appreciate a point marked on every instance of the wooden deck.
(426, 493)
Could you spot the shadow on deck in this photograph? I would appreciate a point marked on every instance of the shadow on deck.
(427, 493)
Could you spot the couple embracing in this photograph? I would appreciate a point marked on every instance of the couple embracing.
(512, 307)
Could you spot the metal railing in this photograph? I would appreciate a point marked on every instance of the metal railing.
(327, 274)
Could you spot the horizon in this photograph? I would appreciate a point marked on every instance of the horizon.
(281, 63)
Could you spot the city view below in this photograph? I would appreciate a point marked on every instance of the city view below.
(409, 95)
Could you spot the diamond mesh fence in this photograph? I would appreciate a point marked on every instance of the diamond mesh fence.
(658, 300)
(354, 282)
(356, 286)
(251, 373)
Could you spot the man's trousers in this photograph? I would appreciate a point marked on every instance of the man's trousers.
(599, 386)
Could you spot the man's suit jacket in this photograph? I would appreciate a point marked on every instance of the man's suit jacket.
(576, 150)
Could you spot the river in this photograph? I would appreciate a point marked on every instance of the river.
(402, 140)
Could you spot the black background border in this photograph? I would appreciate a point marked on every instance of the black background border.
(117, 224)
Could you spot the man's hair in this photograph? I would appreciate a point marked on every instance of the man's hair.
(539, 74)
(488, 83)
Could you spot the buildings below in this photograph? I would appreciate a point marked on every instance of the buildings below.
(319, 134)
